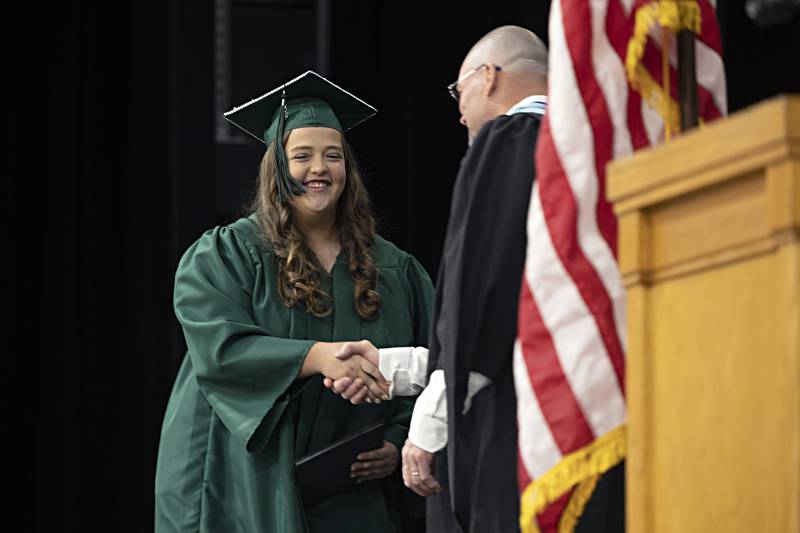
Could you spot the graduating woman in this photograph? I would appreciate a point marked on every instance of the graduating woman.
(265, 303)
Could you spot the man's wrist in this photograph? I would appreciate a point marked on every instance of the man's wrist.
(427, 433)
(373, 355)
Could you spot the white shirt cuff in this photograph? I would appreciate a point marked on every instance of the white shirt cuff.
(428, 428)
(405, 367)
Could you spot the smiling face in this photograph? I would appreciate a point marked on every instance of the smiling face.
(316, 159)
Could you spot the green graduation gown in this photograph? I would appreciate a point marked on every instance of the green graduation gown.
(238, 417)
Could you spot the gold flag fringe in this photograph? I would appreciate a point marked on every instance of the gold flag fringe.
(673, 15)
(577, 502)
(574, 469)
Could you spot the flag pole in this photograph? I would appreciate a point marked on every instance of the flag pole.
(687, 80)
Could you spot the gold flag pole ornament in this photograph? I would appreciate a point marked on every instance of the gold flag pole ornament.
(680, 17)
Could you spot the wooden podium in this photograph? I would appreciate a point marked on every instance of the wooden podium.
(709, 249)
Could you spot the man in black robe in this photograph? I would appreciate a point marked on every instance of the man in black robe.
(500, 93)
(461, 451)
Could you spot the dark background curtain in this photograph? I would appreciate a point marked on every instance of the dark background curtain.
(116, 161)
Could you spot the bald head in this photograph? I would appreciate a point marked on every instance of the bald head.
(516, 50)
(505, 66)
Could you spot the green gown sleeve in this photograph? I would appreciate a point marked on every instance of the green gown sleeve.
(242, 371)
(421, 302)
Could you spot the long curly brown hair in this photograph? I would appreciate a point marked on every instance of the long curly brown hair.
(299, 270)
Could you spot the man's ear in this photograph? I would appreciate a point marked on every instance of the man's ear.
(490, 79)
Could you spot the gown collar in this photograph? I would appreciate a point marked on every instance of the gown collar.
(536, 104)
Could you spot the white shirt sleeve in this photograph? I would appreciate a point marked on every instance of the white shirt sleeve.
(406, 368)
(428, 428)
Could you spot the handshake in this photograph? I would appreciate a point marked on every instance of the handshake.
(350, 369)
(355, 375)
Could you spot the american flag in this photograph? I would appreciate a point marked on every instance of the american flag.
(606, 99)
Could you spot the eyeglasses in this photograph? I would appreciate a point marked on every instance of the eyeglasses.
(453, 89)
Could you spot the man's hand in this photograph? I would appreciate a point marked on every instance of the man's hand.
(417, 470)
(321, 359)
(358, 372)
(375, 464)
(355, 390)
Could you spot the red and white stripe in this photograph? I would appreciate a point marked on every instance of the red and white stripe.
(569, 358)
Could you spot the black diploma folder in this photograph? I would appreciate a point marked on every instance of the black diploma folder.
(327, 471)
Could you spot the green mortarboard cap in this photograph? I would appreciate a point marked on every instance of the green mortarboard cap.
(308, 100)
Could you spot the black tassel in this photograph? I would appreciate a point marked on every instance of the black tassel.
(288, 187)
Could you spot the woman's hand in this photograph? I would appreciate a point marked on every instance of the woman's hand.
(354, 390)
(364, 348)
(321, 359)
(361, 374)
(375, 464)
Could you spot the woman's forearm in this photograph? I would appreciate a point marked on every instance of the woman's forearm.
(318, 355)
